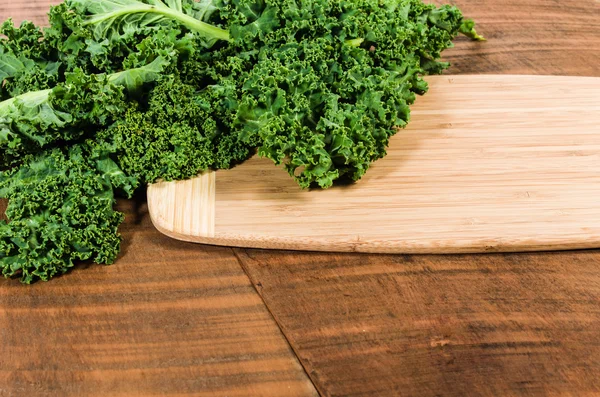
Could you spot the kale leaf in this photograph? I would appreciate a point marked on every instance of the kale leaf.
(32, 121)
(60, 210)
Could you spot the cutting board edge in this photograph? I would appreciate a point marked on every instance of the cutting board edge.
(358, 246)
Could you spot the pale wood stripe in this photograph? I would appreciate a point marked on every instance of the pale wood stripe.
(185, 206)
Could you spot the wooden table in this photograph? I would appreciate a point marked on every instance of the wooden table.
(172, 318)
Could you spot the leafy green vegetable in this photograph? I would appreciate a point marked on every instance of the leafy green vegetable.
(115, 94)
(134, 79)
(175, 138)
(61, 210)
(32, 121)
(10, 65)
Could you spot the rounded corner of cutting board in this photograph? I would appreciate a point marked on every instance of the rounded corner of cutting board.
(157, 211)
(168, 213)
(160, 225)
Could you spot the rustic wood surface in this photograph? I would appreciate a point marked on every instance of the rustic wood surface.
(487, 164)
(179, 318)
(491, 325)
(171, 319)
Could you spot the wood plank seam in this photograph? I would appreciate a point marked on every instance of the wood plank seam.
(257, 287)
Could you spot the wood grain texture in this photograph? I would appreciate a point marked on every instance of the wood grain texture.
(482, 325)
(487, 163)
(548, 37)
(185, 208)
(35, 11)
(170, 319)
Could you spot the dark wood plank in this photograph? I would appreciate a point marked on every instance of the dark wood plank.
(170, 318)
(3, 204)
(487, 325)
(549, 37)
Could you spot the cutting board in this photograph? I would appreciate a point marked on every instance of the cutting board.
(487, 163)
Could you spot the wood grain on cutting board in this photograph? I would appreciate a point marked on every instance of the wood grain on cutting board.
(487, 163)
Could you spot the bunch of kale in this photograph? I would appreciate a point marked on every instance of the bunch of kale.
(115, 94)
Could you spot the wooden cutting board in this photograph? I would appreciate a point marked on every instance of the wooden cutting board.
(487, 163)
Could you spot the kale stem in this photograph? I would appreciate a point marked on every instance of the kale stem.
(33, 97)
(467, 28)
(198, 26)
(355, 42)
(192, 23)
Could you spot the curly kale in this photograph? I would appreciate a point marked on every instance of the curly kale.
(177, 137)
(334, 79)
(116, 94)
(60, 210)
(34, 120)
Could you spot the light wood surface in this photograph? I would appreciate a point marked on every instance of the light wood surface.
(488, 163)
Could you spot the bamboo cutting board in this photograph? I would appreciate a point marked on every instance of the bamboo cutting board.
(487, 163)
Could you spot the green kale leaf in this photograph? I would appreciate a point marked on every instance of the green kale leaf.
(34, 120)
(60, 211)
